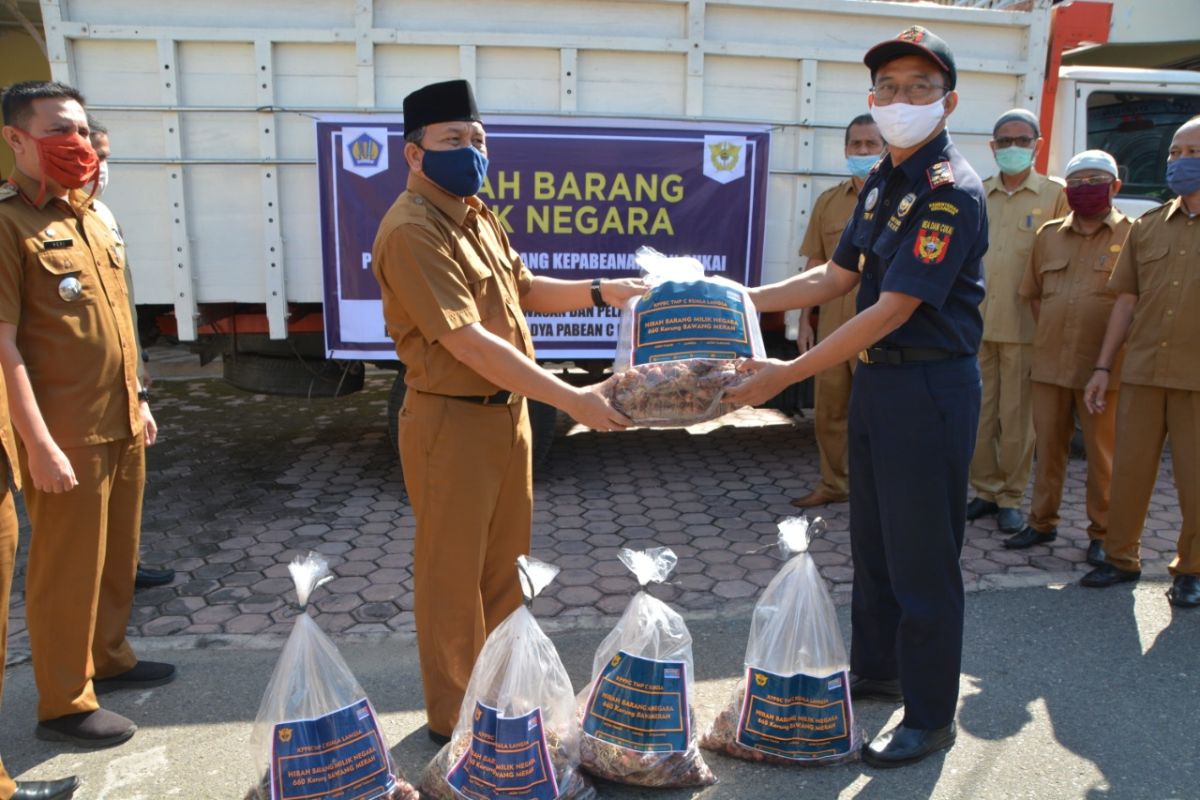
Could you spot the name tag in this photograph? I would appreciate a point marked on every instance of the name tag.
(58, 244)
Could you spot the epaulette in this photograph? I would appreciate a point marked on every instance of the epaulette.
(940, 174)
(1156, 209)
(7, 190)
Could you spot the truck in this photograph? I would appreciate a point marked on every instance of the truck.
(212, 108)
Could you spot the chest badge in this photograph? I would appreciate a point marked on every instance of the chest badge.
(872, 199)
(70, 289)
(906, 204)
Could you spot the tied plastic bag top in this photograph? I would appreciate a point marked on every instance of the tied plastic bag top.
(678, 344)
(516, 736)
(636, 714)
(793, 705)
(316, 734)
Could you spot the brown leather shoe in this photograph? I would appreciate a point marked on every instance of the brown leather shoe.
(819, 497)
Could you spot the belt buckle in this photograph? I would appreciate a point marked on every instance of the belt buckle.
(865, 357)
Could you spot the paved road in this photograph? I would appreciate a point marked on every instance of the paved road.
(1066, 693)
(239, 484)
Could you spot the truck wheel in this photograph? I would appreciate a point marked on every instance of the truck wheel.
(395, 403)
(543, 419)
(293, 376)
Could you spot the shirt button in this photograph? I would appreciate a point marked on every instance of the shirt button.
(1164, 344)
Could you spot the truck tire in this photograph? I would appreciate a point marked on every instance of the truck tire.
(293, 376)
(543, 419)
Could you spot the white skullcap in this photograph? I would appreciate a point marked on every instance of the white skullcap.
(1092, 159)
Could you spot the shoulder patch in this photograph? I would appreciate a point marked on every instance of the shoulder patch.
(940, 174)
(7, 190)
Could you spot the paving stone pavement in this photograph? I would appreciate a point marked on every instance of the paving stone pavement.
(239, 484)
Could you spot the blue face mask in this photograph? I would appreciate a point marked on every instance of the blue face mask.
(1183, 175)
(860, 166)
(460, 171)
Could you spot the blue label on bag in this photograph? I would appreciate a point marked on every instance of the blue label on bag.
(796, 716)
(340, 756)
(508, 758)
(641, 704)
(694, 319)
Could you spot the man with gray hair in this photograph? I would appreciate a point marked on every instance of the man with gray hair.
(1066, 286)
(1019, 200)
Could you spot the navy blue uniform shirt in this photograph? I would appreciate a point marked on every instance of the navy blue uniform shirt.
(921, 229)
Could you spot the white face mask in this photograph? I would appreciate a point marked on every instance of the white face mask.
(102, 178)
(905, 125)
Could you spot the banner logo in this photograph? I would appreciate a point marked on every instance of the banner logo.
(285, 735)
(724, 158)
(364, 151)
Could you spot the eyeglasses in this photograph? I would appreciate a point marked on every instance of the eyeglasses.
(918, 92)
(1008, 141)
(1091, 180)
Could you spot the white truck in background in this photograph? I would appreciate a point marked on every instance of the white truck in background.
(211, 110)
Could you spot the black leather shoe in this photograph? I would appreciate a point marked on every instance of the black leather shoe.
(440, 739)
(1185, 592)
(1107, 575)
(143, 675)
(981, 508)
(148, 576)
(1028, 537)
(46, 790)
(1096, 554)
(1009, 520)
(903, 745)
(90, 729)
(875, 689)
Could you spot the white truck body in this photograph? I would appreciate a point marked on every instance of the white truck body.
(210, 104)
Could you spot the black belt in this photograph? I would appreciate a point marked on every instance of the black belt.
(498, 399)
(895, 356)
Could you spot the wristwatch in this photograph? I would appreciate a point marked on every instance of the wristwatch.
(143, 395)
(597, 297)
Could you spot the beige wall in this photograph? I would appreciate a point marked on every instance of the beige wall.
(22, 61)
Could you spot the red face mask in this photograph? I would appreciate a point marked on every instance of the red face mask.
(1089, 201)
(67, 159)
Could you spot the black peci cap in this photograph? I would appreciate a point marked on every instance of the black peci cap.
(450, 101)
(914, 41)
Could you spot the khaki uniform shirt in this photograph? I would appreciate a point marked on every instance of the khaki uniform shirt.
(443, 263)
(81, 354)
(830, 214)
(1160, 263)
(1068, 273)
(1013, 220)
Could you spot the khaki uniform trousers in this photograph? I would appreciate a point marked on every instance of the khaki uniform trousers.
(468, 471)
(1146, 416)
(831, 425)
(8, 555)
(1004, 445)
(1054, 411)
(83, 552)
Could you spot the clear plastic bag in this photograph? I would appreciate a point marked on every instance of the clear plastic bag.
(793, 704)
(316, 734)
(637, 719)
(678, 344)
(516, 735)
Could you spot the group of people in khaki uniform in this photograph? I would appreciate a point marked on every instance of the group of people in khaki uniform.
(1086, 314)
